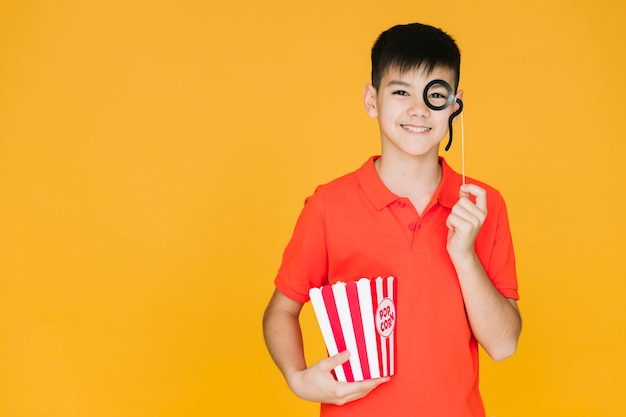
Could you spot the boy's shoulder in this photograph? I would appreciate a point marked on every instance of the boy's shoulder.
(352, 191)
(485, 186)
(495, 200)
(458, 178)
(347, 183)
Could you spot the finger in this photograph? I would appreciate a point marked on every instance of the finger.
(479, 193)
(465, 218)
(356, 390)
(460, 225)
(464, 209)
(335, 360)
(469, 211)
(373, 383)
(364, 386)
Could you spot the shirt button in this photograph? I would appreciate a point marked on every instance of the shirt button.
(412, 226)
(401, 204)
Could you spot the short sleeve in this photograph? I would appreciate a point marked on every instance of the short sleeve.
(305, 262)
(497, 255)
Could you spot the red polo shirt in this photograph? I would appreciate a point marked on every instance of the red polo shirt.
(355, 227)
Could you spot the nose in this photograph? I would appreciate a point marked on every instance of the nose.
(418, 108)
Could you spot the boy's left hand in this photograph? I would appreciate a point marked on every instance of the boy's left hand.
(465, 221)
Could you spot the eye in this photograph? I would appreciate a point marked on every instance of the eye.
(438, 95)
(400, 93)
(438, 99)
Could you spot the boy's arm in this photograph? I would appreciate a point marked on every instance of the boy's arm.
(495, 320)
(283, 337)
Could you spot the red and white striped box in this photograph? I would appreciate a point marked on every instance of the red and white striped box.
(359, 316)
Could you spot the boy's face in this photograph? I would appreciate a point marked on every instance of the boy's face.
(407, 125)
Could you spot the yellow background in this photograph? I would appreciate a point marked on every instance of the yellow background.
(154, 157)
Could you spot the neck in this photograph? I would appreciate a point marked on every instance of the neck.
(415, 178)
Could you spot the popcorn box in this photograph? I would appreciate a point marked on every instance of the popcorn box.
(359, 316)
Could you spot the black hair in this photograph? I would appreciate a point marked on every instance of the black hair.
(414, 45)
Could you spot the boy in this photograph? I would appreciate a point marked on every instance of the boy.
(406, 214)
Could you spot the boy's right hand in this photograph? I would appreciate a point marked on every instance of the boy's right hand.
(317, 384)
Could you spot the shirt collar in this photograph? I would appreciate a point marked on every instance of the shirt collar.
(448, 191)
(447, 194)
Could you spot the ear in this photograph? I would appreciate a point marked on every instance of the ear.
(459, 95)
(369, 99)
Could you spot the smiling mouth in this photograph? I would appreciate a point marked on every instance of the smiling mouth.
(416, 129)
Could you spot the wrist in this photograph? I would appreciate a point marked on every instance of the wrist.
(465, 260)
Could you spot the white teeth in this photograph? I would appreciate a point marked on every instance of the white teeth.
(416, 129)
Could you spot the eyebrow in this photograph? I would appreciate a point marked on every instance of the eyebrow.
(397, 83)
